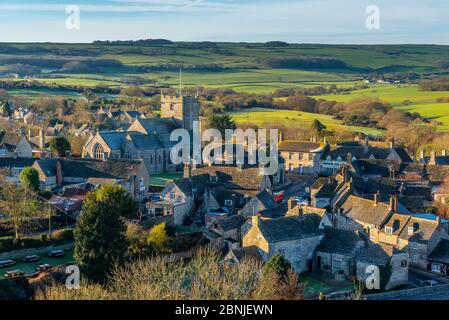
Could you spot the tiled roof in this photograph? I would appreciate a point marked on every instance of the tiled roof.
(16, 162)
(378, 254)
(365, 211)
(10, 140)
(290, 228)
(397, 222)
(299, 146)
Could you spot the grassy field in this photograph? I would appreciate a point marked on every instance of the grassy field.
(260, 116)
(393, 94)
(160, 180)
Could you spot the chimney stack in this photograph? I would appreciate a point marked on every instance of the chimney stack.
(391, 144)
(421, 155)
(42, 138)
(187, 171)
(30, 133)
(255, 220)
(394, 204)
(376, 198)
(291, 203)
(444, 153)
(433, 159)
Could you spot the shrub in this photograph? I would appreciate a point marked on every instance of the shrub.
(63, 235)
(6, 244)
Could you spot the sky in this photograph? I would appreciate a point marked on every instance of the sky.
(295, 21)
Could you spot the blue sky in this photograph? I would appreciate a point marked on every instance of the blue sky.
(299, 21)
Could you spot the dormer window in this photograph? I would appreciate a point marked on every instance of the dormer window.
(328, 159)
(228, 202)
(388, 230)
(214, 179)
(339, 159)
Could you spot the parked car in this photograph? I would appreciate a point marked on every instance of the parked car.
(430, 283)
(279, 196)
(32, 258)
(14, 273)
(43, 267)
(301, 201)
(56, 254)
(7, 263)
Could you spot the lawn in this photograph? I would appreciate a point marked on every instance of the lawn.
(30, 268)
(160, 180)
(260, 117)
(313, 287)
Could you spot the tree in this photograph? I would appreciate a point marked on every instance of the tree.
(278, 264)
(220, 121)
(17, 206)
(100, 239)
(159, 239)
(317, 127)
(29, 179)
(59, 146)
(77, 144)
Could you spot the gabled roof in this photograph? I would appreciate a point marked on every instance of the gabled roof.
(366, 211)
(397, 222)
(441, 252)
(9, 163)
(423, 229)
(403, 154)
(112, 169)
(231, 223)
(160, 125)
(378, 254)
(9, 140)
(251, 252)
(339, 241)
(300, 146)
(290, 228)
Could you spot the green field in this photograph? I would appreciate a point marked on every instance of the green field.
(260, 116)
(160, 180)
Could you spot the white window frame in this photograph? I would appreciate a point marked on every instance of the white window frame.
(436, 268)
(228, 202)
(337, 264)
(411, 231)
(389, 230)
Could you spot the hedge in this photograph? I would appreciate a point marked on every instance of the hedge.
(58, 237)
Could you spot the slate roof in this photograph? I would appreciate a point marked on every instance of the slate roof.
(440, 292)
(16, 162)
(397, 222)
(232, 177)
(378, 254)
(366, 211)
(290, 228)
(299, 146)
(247, 252)
(327, 190)
(113, 169)
(10, 140)
(267, 200)
(145, 141)
(403, 154)
(199, 182)
(231, 223)
(441, 252)
(114, 139)
(339, 241)
(343, 151)
(424, 229)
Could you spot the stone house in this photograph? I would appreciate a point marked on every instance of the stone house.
(302, 157)
(322, 191)
(225, 234)
(346, 152)
(262, 204)
(15, 145)
(237, 255)
(131, 174)
(295, 238)
(438, 260)
(12, 167)
(390, 261)
(336, 251)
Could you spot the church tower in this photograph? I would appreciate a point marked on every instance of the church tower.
(183, 108)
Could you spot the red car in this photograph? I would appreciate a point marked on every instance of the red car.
(279, 196)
